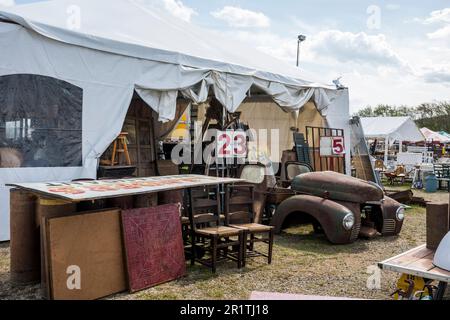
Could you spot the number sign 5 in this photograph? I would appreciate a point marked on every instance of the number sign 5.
(338, 146)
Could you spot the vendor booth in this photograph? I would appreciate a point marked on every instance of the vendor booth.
(391, 129)
(67, 83)
(432, 136)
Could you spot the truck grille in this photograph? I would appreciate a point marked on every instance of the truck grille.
(388, 226)
(355, 232)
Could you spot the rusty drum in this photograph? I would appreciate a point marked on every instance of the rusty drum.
(25, 256)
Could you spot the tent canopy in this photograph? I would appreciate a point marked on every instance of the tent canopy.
(136, 29)
(392, 129)
(193, 59)
(83, 60)
(434, 136)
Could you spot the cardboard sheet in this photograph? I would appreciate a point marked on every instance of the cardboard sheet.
(154, 246)
(91, 244)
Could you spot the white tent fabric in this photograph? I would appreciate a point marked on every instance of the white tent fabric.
(392, 129)
(191, 56)
(120, 47)
(431, 135)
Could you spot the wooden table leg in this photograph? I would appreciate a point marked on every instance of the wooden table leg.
(191, 220)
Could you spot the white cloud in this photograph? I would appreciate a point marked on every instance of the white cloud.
(438, 16)
(360, 48)
(440, 74)
(238, 17)
(442, 33)
(179, 10)
(392, 6)
(7, 3)
(441, 17)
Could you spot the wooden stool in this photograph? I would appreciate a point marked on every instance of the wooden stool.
(120, 146)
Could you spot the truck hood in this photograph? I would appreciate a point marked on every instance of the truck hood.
(336, 186)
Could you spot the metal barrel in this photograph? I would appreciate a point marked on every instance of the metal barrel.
(50, 208)
(24, 245)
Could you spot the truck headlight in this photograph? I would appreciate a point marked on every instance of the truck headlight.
(349, 221)
(400, 214)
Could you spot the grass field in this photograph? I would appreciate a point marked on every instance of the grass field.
(304, 263)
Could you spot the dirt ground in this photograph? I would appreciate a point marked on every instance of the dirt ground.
(304, 263)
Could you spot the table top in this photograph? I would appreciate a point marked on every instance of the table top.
(416, 262)
(102, 189)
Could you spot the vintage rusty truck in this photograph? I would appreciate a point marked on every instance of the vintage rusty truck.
(342, 207)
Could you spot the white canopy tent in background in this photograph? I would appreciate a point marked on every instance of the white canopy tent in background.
(431, 136)
(391, 129)
(112, 49)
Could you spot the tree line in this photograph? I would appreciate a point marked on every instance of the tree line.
(434, 116)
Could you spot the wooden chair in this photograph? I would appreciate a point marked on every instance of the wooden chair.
(294, 169)
(222, 242)
(399, 173)
(239, 214)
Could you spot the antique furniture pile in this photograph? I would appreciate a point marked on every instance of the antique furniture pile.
(91, 239)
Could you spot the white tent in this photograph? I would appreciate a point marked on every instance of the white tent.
(391, 129)
(91, 56)
(431, 135)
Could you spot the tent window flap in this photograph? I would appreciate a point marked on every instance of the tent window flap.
(40, 122)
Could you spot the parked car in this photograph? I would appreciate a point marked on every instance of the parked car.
(342, 207)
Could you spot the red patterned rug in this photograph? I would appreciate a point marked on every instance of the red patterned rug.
(154, 246)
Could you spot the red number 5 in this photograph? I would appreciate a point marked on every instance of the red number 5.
(338, 146)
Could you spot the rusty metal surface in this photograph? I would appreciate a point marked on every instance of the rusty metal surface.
(278, 195)
(404, 197)
(329, 214)
(336, 186)
(25, 256)
(391, 226)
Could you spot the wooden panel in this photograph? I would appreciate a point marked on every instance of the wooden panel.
(417, 262)
(92, 242)
(439, 272)
(413, 256)
(154, 246)
(425, 263)
(130, 128)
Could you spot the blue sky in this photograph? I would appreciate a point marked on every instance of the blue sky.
(395, 52)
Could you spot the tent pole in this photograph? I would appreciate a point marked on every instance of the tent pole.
(386, 150)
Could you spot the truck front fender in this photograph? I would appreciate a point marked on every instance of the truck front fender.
(328, 213)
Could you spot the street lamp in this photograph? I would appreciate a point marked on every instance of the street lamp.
(301, 38)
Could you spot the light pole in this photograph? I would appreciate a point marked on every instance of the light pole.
(300, 39)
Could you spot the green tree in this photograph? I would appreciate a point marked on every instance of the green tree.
(435, 115)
